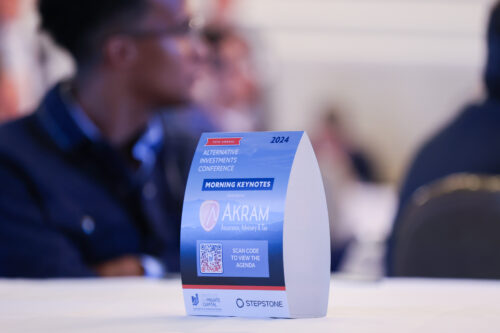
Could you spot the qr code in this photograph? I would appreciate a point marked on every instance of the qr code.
(211, 258)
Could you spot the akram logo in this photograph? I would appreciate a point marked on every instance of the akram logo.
(209, 214)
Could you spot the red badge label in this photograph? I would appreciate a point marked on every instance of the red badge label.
(223, 142)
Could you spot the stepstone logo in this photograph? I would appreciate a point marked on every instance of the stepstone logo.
(209, 214)
(240, 303)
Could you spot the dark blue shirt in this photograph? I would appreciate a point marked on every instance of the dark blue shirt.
(469, 144)
(69, 202)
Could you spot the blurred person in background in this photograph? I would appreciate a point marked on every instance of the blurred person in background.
(227, 95)
(333, 140)
(228, 88)
(359, 207)
(8, 92)
(469, 144)
(22, 53)
(84, 190)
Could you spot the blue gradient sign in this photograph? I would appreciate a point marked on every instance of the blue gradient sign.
(233, 222)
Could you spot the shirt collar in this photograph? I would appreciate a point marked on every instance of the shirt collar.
(88, 128)
(69, 126)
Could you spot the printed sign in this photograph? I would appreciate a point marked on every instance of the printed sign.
(232, 234)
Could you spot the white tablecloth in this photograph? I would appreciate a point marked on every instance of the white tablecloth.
(140, 305)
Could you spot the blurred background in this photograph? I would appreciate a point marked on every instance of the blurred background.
(369, 80)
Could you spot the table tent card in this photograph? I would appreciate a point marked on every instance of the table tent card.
(255, 238)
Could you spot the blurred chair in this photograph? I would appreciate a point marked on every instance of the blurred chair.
(451, 229)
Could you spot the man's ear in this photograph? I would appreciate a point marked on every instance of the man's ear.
(120, 52)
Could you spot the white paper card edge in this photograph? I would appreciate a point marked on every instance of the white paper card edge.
(306, 237)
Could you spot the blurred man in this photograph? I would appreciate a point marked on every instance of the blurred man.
(471, 142)
(83, 179)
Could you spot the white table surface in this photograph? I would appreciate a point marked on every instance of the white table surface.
(140, 305)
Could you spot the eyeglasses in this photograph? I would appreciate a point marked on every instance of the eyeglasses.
(188, 27)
